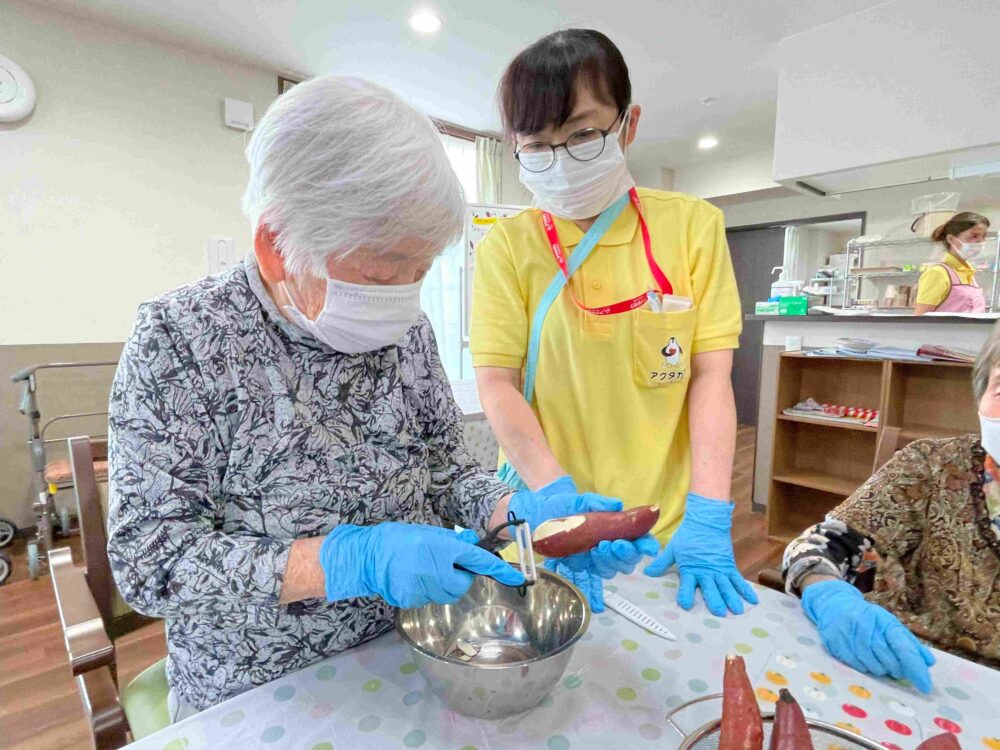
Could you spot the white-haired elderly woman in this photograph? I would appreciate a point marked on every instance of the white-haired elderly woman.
(916, 550)
(284, 448)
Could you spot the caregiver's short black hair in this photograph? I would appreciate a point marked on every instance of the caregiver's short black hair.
(538, 88)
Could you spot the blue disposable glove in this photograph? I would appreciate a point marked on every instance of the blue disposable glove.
(609, 558)
(590, 584)
(588, 570)
(558, 499)
(864, 635)
(702, 548)
(407, 564)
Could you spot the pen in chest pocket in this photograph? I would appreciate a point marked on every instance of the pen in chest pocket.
(654, 301)
(667, 302)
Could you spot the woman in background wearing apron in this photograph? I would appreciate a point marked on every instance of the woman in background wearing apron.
(950, 285)
(604, 320)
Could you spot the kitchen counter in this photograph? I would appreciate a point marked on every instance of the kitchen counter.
(841, 319)
(824, 330)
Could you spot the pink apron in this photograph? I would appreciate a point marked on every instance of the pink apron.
(962, 297)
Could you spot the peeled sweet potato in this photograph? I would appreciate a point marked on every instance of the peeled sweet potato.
(560, 537)
(742, 726)
(944, 741)
(790, 731)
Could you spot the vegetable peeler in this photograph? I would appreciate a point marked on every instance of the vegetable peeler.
(521, 533)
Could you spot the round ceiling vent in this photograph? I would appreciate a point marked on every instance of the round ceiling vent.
(17, 94)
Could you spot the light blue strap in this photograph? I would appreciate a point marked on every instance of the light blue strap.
(509, 476)
(587, 244)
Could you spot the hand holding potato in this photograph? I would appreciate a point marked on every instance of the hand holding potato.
(558, 499)
(582, 517)
(588, 570)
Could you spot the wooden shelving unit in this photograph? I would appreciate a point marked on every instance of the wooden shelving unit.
(828, 423)
(817, 480)
(817, 464)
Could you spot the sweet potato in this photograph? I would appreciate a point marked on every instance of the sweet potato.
(944, 741)
(559, 537)
(742, 727)
(790, 731)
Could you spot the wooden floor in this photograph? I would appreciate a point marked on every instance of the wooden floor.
(754, 551)
(39, 705)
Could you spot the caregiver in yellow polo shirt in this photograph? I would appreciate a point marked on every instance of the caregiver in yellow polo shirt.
(618, 381)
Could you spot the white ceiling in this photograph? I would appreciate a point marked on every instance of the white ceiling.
(679, 52)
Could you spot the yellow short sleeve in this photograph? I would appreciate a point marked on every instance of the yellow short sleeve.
(713, 284)
(934, 286)
(498, 334)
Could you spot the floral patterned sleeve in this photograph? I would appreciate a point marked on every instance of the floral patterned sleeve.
(883, 518)
(461, 491)
(829, 548)
(166, 462)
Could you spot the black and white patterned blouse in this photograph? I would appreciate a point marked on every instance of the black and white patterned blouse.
(232, 433)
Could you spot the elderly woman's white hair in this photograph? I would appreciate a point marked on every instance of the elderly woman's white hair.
(337, 164)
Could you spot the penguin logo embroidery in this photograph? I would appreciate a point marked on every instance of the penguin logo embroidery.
(672, 353)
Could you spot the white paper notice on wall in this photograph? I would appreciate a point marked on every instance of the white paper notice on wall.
(221, 254)
(479, 220)
(238, 114)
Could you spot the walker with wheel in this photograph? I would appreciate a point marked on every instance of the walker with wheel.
(48, 476)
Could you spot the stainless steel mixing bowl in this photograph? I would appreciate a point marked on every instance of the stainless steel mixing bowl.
(521, 645)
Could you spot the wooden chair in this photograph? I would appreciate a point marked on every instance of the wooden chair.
(888, 443)
(93, 616)
(771, 578)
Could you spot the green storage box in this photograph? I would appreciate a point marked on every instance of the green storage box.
(793, 306)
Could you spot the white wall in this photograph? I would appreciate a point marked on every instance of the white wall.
(646, 173)
(815, 245)
(512, 192)
(112, 187)
(906, 78)
(712, 179)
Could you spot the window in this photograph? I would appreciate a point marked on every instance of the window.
(462, 155)
(443, 290)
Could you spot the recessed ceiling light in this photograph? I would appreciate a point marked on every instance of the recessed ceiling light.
(707, 141)
(425, 22)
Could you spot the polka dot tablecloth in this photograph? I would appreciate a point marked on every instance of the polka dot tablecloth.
(620, 684)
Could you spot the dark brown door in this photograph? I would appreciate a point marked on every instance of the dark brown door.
(755, 252)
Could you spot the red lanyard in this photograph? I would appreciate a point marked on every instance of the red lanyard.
(618, 307)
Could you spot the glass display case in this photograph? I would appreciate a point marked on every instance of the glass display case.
(881, 274)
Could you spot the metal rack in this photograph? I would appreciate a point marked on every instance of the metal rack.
(916, 251)
(830, 291)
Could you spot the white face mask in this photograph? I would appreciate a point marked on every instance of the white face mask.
(359, 318)
(573, 189)
(968, 250)
(989, 435)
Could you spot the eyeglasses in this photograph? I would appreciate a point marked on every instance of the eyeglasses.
(583, 145)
